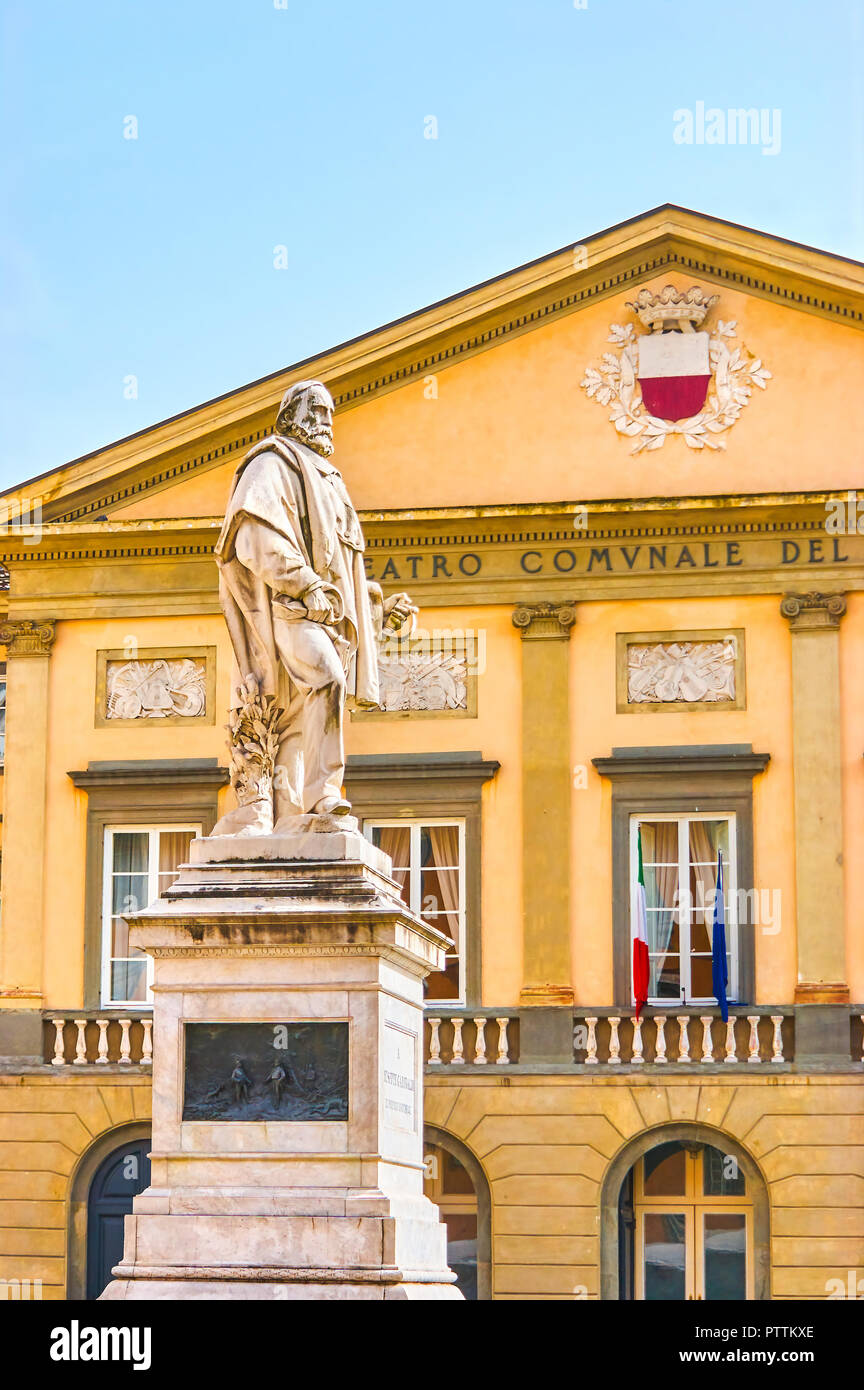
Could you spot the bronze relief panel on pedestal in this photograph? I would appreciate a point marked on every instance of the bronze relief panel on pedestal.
(266, 1071)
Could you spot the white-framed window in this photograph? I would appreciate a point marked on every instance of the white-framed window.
(429, 865)
(679, 858)
(140, 861)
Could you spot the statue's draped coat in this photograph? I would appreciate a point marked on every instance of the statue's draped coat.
(290, 524)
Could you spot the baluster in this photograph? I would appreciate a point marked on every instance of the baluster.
(102, 1058)
(753, 1044)
(591, 1046)
(59, 1058)
(503, 1048)
(124, 1057)
(614, 1044)
(480, 1045)
(777, 1053)
(707, 1041)
(80, 1059)
(683, 1038)
(457, 1059)
(731, 1056)
(434, 1043)
(660, 1038)
(637, 1059)
(147, 1042)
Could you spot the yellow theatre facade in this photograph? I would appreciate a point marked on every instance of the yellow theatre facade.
(631, 632)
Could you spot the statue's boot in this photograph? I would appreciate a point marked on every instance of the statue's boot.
(331, 806)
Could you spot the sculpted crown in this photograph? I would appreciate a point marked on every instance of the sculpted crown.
(673, 308)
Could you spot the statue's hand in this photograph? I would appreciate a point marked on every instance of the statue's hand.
(399, 610)
(318, 606)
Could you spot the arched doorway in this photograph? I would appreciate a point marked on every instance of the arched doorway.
(457, 1185)
(110, 1174)
(119, 1178)
(685, 1217)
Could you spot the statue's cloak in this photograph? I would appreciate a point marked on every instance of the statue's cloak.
(304, 526)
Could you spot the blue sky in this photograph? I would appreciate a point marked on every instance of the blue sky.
(303, 127)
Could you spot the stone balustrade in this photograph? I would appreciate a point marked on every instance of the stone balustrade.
(752, 1036)
(472, 1037)
(82, 1038)
(602, 1037)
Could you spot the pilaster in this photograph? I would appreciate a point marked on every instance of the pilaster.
(28, 650)
(814, 622)
(546, 790)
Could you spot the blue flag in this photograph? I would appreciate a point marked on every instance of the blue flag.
(719, 969)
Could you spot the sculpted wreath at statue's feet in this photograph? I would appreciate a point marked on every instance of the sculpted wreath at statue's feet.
(304, 623)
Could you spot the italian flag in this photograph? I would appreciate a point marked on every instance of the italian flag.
(640, 939)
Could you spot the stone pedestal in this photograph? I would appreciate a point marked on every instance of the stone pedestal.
(287, 1080)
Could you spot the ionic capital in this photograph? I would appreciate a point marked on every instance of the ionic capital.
(544, 620)
(813, 612)
(26, 637)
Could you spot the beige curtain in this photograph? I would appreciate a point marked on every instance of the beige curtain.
(704, 843)
(664, 849)
(444, 840)
(395, 840)
(173, 851)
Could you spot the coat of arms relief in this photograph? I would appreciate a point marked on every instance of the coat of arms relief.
(675, 378)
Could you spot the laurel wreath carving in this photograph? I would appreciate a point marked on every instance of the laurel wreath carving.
(734, 374)
(254, 741)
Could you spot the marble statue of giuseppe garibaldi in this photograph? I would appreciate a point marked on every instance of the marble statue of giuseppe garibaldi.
(304, 621)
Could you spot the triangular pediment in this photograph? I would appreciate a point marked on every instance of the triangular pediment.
(445, 391)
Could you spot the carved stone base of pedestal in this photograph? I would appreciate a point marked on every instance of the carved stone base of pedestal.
(283, 1243)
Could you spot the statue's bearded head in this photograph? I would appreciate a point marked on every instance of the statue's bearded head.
(306, 413)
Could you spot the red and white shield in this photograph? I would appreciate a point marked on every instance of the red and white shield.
(674, 373)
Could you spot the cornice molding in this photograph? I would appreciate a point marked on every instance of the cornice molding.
(165, 773)
(566, 533)
(630, 763)
(416, 771)
(466, 557)
(529, 525)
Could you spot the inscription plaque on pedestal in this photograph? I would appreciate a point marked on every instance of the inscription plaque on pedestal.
(266, 1071)
(399, 1080)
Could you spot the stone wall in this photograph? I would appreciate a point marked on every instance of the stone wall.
(49, 1126)
(546, 1144)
